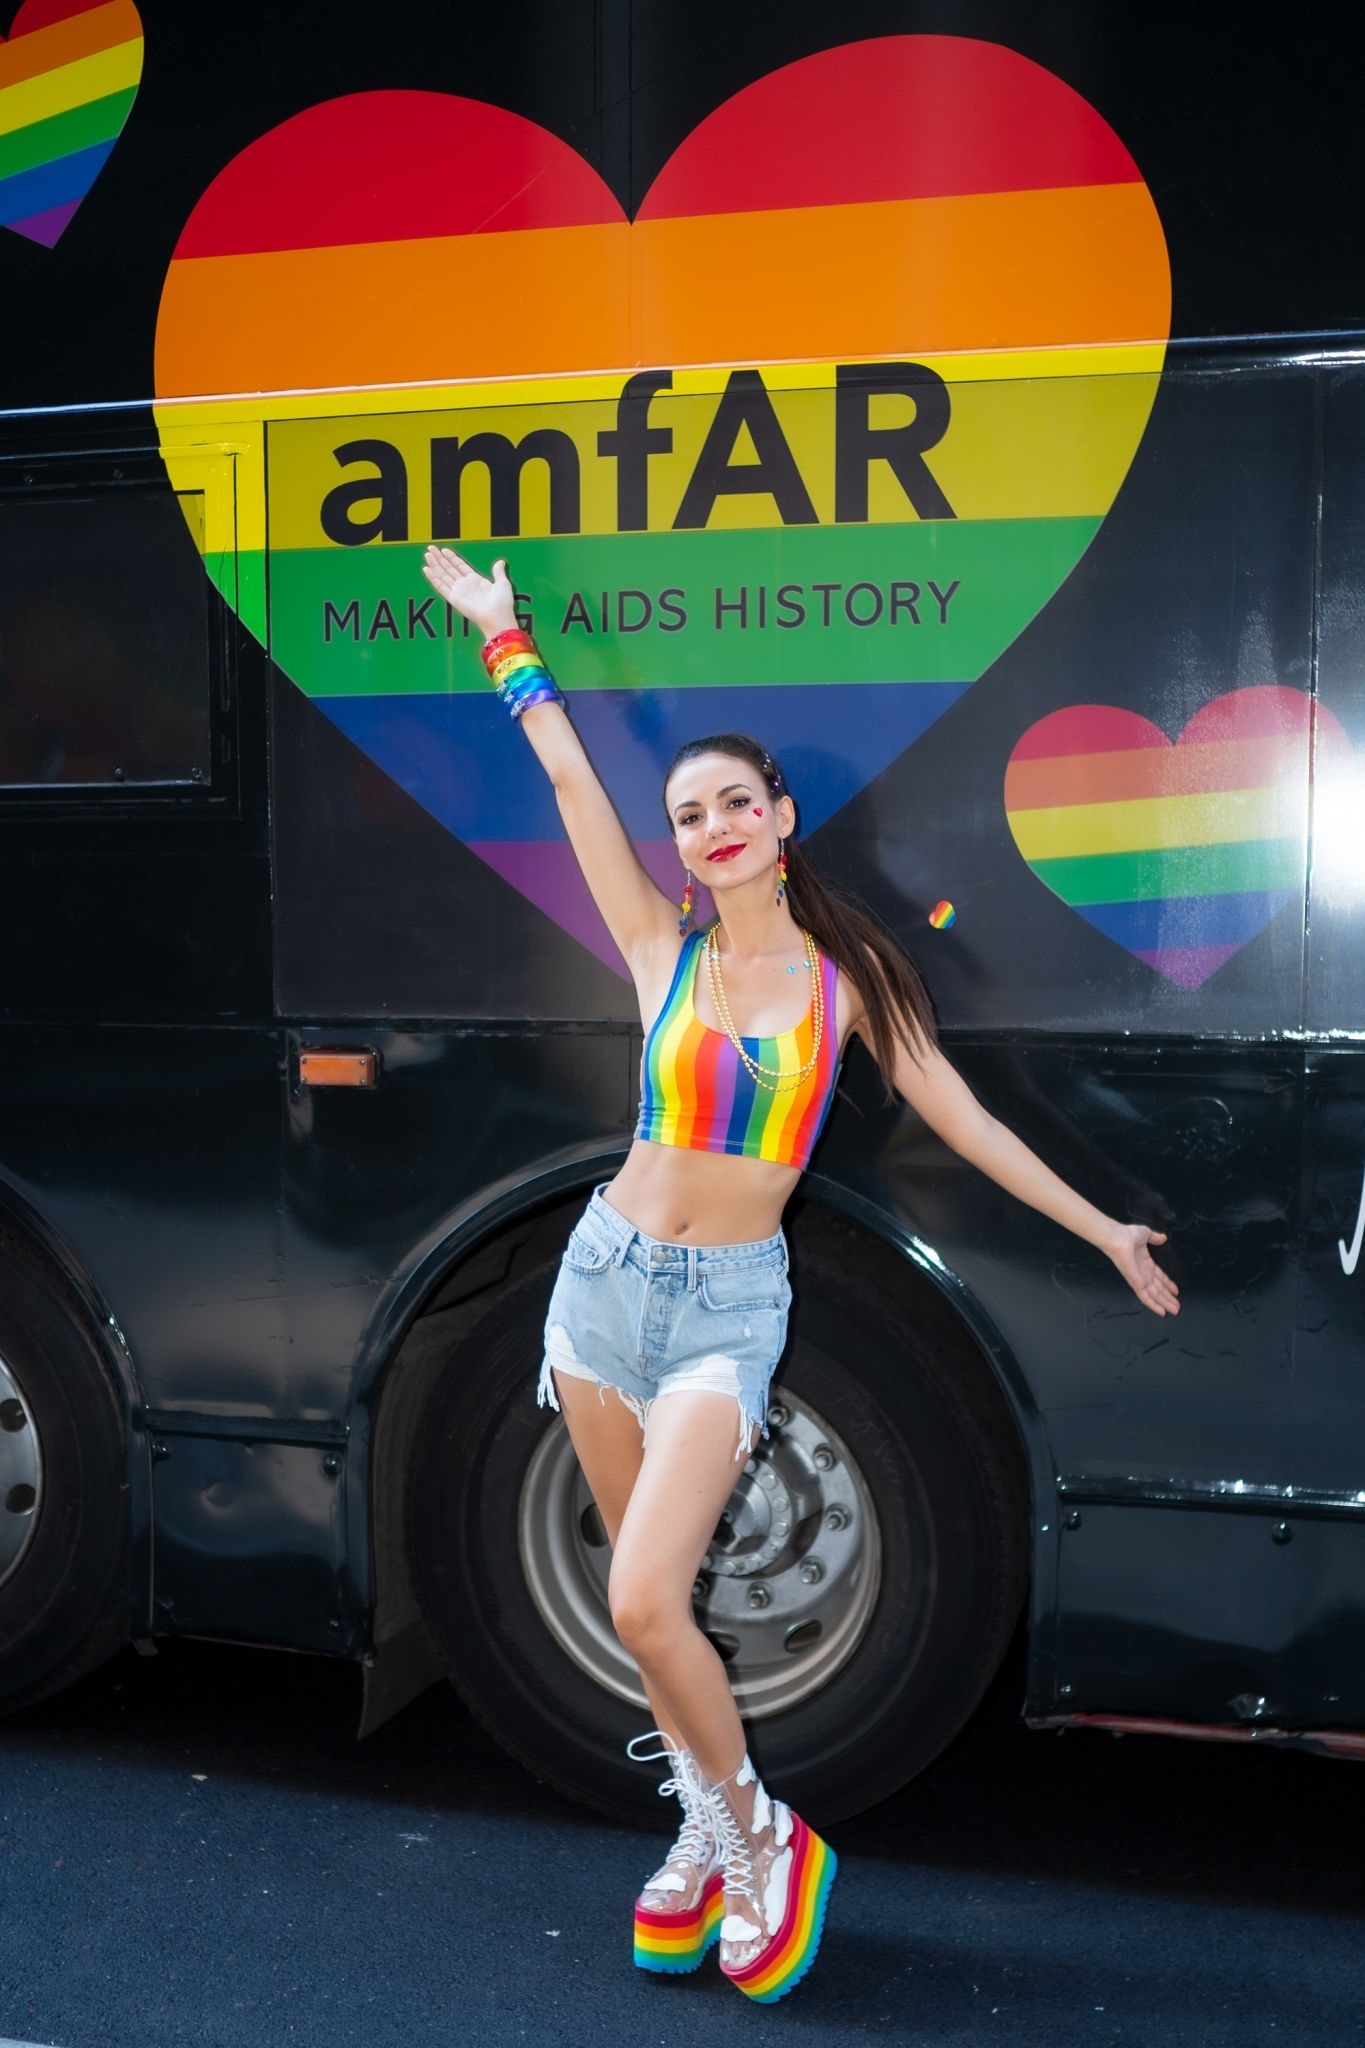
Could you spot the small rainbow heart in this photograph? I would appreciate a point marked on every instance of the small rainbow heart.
(1180, 853)
(68, 77)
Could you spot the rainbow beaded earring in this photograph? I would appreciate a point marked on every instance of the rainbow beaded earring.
(685, 907)
(781, 869)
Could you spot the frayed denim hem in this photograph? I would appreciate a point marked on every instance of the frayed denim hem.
(561, 1357)
(714, 1375)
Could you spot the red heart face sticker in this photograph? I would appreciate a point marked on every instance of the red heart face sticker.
(1179, 852)
(801, 449)
(69, 74)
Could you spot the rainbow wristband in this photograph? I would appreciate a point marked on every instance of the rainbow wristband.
(533, 686)
(518, 674)
(502, 643)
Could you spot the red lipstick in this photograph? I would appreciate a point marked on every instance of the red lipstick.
(727, 852)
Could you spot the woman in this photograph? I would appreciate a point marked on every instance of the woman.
(670, 1308)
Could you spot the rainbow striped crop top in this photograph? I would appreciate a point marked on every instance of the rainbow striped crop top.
(696, 1092)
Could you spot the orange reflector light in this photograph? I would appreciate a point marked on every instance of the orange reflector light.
(324, 1069)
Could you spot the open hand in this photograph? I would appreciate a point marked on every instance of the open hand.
(1131, 1253)
(486, 602)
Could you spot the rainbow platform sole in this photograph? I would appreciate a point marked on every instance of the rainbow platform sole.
(676, 1942)
(791, 1952)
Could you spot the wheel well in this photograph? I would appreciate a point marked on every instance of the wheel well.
(908, 1297)
(25, 1236)
(68, 1362)
(452, 1304)
(905, 1295)
(940, 1314)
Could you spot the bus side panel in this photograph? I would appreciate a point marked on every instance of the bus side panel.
(1209, 1616)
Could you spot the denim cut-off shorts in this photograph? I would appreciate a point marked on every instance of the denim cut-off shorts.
(649, 1318)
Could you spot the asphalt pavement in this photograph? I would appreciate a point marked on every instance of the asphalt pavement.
(196, 1850)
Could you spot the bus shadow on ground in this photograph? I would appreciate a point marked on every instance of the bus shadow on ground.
(238, 1862)
(1254, 1828)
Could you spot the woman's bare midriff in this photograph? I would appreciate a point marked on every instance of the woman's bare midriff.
(687, 1197)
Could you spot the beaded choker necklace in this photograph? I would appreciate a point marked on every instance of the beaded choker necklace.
(771, 1078)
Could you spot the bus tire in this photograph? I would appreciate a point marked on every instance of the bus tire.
(895, 1459)
(63, 1487)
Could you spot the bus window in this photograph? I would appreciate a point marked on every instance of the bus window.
(104, 641)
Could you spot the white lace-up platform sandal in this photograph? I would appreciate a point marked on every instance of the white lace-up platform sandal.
(778, 1874)
(678, 1914)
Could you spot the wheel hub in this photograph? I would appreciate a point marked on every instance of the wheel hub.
(21, 1473)
(785, 1591)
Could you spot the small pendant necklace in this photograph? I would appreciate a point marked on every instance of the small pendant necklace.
(774, 1079)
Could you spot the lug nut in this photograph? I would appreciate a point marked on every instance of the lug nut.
(838, 1518)
(824, 1458)
(778, 1416)
(701, 1587)
(759, 1596)
(812, 1571)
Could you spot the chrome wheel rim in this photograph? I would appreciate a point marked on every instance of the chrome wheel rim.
(787, 1588)
(21, 1473)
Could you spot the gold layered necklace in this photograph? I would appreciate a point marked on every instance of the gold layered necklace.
(774, 1079)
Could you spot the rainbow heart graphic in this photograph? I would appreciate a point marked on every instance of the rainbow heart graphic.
(1178, 852)
(800, 450)
(69, 74)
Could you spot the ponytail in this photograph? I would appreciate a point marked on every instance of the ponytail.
(899, 1013)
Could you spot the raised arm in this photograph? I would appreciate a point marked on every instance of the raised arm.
(640, 918)
(934, 1088)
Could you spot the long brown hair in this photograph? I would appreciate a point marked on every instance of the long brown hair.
(897, 1003)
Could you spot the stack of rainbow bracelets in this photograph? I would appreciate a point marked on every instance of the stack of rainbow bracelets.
(517, 672)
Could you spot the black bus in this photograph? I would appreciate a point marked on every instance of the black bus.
(972, 405)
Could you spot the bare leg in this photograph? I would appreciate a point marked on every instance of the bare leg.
(610, 1448)
(660, 1507)
(660, 1501)
(685, 1479)
(686, 1476)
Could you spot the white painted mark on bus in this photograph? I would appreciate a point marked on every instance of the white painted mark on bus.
(1351, 1253)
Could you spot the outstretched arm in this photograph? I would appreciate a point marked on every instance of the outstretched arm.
(636, 912)
(933, 1087)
